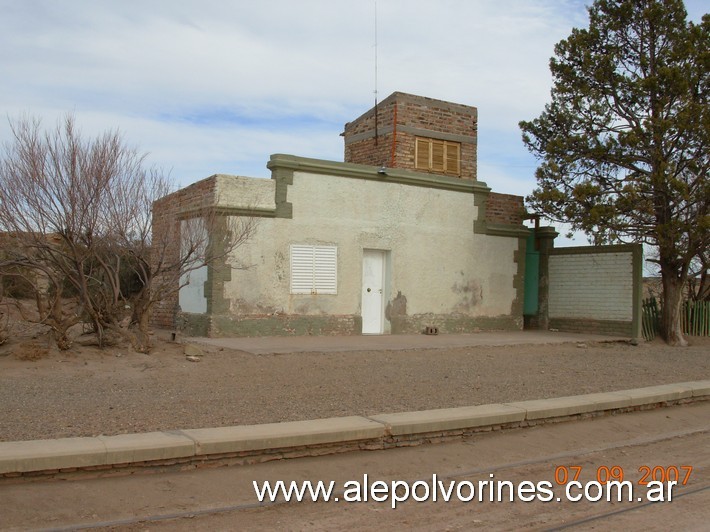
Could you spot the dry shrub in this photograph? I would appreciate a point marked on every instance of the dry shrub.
(30, 351)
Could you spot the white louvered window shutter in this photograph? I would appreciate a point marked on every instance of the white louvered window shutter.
(314, 269)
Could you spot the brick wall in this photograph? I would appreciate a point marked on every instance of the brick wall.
(415, 116)
(371, 153)
(166, 238)
(504, 209)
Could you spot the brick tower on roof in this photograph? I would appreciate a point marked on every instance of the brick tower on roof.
(415, 133)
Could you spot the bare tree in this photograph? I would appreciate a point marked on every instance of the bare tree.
(49, 205)
(161, 261)
(3, 317)
(78, 216)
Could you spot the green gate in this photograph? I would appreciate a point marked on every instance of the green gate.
(532, 273)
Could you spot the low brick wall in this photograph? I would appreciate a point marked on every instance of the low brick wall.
(590, 326)
(166, 236)
(506, 209)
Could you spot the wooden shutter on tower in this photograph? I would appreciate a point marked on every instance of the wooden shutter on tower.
(440, 156)
(453, 158)
(438, 161)
(421, 155)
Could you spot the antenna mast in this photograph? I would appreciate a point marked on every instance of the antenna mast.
(376, 115)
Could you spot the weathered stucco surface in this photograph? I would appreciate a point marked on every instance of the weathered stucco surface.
(245, 192)
(438, 268)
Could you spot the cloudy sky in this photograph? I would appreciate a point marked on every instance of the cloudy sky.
(217, 86)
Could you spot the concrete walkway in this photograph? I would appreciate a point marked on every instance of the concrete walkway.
(320, 344)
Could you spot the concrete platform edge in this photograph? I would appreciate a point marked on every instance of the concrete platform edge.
(103, 452)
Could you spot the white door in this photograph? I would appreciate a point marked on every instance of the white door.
(373, 269)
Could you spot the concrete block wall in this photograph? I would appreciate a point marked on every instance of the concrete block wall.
(595, 289)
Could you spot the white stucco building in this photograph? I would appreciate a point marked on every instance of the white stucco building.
(400, 237)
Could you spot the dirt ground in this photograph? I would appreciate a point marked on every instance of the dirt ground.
(223, 498)
(45, 393)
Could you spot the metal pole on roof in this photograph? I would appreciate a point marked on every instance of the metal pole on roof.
(376, 115)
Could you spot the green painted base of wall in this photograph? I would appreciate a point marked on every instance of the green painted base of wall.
(454, 324)
(604, 327)
(193, 324)
(532, 323)
(285, 325)
(298, 325)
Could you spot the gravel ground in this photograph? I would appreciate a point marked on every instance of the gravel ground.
(89, 392)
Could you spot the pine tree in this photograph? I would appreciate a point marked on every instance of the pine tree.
(624, 144)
